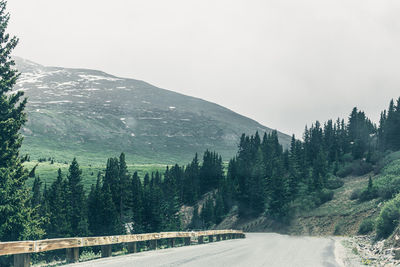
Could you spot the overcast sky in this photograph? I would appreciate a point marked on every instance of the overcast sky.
(284, 63)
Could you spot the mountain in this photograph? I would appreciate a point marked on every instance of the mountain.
(93, 115)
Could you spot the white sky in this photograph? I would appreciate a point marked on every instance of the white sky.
(284, 63)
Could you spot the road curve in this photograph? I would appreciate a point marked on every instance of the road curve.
(257, 249)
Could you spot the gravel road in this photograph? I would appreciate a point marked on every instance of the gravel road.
(257, 249)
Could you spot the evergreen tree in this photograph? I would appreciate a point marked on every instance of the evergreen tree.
(196, 221)
(389, 128)
(124, 184)
(58, 207)
(172, 198)
(96, 208)
(137, 203)
(211, 172)
(219, 209)
(37, 195)
(32, 172)
(112, 181)
(207, 213)
(18, 220)
(111, 224)
(77, 210)
(191, 182)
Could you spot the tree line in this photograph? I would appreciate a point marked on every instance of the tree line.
(121, 202)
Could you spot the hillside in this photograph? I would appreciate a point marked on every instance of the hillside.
(94, 115)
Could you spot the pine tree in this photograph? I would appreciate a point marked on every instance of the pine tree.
(111, 180)
(77, 213)
(219, 209)
(37, 196)
(196, 221)
(32, 171)
(191, 182)
(207, 213)
(111, 224)
(17, 218)
(370, 185)
(211, 172)
(172, 189)
(58, 207)
(96, 208)
(137, 203)
(124, 184)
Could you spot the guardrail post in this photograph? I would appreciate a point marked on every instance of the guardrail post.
(187, 241)
(210, 238)
(72, 255)
(22, 260)
(132, 247)
(106, 251)
(218, 237)
(171, 242)
(200, 240)
(153, 244)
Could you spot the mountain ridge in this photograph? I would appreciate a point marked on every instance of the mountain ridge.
(76, 112)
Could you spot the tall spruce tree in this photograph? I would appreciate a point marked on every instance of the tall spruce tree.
(124, 183)
(17, 218)
(136, 202)
(77, 209)
(36, 190)
(56, 197)
(95, 208)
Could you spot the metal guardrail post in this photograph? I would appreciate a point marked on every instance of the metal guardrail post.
(171, 242)
(187, 241)
(106, 251)
(22, 260)
(153, 244)
(132, 247)
(72, 255)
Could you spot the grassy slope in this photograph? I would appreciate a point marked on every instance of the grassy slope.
(341, 213)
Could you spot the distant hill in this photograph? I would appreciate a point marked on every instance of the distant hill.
(93, 115)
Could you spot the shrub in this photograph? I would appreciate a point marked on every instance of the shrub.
(345, 170)
(388, 186)
(325, 195)
(347, 157)
(366, 226)
(358, 168)
(355, 194)
(385, 161)
(388, 218)
(361, 167)
(367, 194)
(339, 228)
(334, 183)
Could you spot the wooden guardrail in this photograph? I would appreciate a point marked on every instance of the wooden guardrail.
(22, 249)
